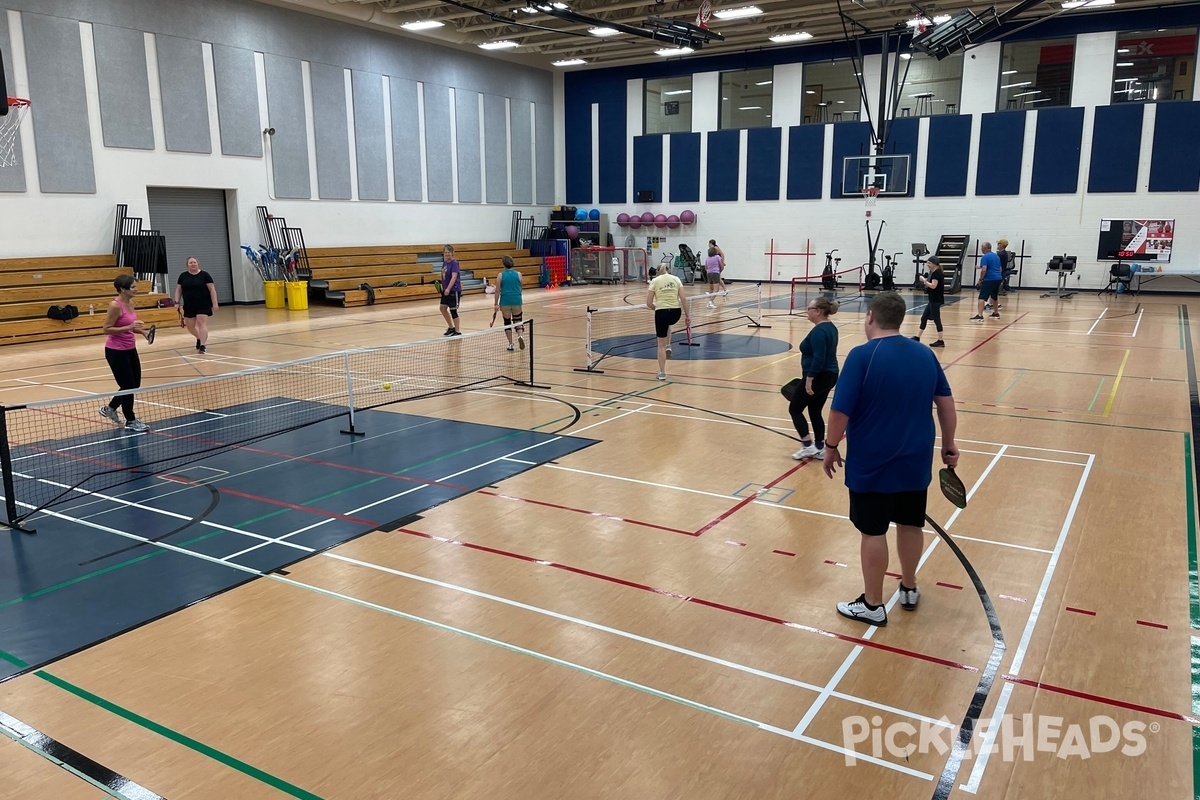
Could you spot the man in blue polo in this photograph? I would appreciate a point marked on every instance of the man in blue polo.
(991, 275)
(883, 409)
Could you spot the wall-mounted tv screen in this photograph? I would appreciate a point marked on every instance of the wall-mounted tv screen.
(1136, 239)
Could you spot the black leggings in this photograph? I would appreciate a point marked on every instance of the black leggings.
(933, 311)
(822, 385)
(127, 369)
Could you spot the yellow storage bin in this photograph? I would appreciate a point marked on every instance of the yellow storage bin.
(297, 295)
(273, 292)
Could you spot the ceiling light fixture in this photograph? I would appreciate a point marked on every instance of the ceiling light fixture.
(738, 13)
(603, 31)
(569, 62)
(749, 108)
(1009, 72)
(501, 45)
(1017, 85)
(1124, 63)
(674, 51)
(678, 91)
(784, 38)
(423, 25)
(764, 83)
(1069, 4)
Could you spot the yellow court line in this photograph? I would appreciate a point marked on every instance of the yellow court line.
(764, 366)
(1113, 394)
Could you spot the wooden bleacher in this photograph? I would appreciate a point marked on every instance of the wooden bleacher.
(337, 272)
(29, 286)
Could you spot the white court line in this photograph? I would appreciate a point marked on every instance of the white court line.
(1138, 324)
(831, 686)
(1097, 322)
(504, 645)
(989, 732)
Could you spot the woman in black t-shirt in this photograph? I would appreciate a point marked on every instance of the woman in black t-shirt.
(196, 298)
(935, 288)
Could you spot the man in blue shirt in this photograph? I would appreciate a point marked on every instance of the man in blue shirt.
(991, 275)
(882, 408)
(451, 291)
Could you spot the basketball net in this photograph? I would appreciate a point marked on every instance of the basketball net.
(704, 14)
(871, 193)
(10, 128)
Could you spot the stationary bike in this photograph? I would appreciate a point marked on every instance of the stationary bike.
(889, 272)
(829, 280)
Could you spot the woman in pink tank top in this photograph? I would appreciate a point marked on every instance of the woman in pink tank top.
(121, 327)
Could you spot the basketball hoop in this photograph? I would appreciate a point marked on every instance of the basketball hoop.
(704, 14)
(871, 193)
(10, 128)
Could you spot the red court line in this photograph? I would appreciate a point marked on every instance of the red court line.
(783, 553)
(894, 575)
(1158, 625)
(1083, 611)
(949, 585)
(697, 600)
(585, 511)
(1109, 701)
(834, 563)
(318, 511)
(747, 501)
(985, 341)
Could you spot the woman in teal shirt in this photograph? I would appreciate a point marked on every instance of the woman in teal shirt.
(818, 359)
(508, 301)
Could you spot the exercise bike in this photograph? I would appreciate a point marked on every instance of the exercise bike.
(829, 280)
(872, 279)
(889, 272)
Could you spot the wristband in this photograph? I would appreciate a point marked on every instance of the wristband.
(831, 446)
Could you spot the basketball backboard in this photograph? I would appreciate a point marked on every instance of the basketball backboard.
(3, 86)
(888, 174)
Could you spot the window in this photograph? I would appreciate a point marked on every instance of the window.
(1036, 74)
(1155, 65)
(668, 105)
(930, 86)
(746, 99)
(831, 92)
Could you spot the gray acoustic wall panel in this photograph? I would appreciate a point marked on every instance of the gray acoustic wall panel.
(54, 59)
(12, 179)
(544, 132)
(406, 139)
(123, 86)
(522, 152)
(184, 99)
(329, 130)
(438, 144)
(285, 111)
(466, 121)
(237, 101)
(370, 142)
(495, 148)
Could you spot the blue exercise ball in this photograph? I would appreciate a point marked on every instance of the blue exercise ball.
(594, 214)
(581, 214)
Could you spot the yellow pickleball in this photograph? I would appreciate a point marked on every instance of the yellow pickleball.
(387, 387)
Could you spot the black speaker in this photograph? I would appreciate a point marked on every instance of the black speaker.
(645, 196)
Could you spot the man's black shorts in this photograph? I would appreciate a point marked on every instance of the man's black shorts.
(450, 300)
(872, 511)
(664, 318)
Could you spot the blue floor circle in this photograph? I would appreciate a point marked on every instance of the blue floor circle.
(706, 347)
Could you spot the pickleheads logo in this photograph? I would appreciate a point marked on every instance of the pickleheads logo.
(1012, 738)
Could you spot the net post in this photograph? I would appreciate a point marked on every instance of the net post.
(688, 324)
(758, 323)
(350, 398)
(587, 348)
(529, 329)
(10, 489)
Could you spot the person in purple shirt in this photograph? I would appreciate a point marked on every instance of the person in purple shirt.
(451, 291)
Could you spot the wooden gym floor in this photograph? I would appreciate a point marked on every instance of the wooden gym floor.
(652, 616)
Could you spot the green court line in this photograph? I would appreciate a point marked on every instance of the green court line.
(1092, 404)
(1196, 710)
(179, 738)
(1016, 380)
(1193, 572)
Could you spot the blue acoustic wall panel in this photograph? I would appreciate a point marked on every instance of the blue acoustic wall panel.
(1058, 143)
(406, 139)
(54, 59)
(370, 140)
(330, 131)
(903, 140)
(806, 162)
(470, 159)
(577, 118)
(495, 148)
(184, 98)
(1116, 148)
(684, 168)
(723, 165)
(647, 165)
(439, 168)
(520, 121)
(285, 113)
(237, 101)
(849, 139)
(123, 86)
(1001, 148)
(612, 145)
(946, 156)
(763, 152)
(1175, 158)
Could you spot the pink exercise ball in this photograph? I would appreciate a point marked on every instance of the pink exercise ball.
(622, 219)
(572, 232)
(660, 221)
(672, 221)
(635, 221)
(687, 217)
(647, 218)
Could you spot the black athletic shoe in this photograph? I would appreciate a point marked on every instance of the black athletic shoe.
(938, 343)
(449, 332)
(198, 345)
(202, 349)
(454, 333)
(995, 316)
(977, 318)
(915, 338)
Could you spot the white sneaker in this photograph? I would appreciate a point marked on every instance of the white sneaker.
(521, 341)
(711, 304)
(662, 376)
(668, 351)
(509, 348)
(857, 610)
(808, 452)
(110, 414)
(137, 426)
(909, 598)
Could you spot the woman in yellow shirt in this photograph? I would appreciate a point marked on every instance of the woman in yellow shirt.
(665, 298)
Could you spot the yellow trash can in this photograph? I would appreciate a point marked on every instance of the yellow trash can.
(297, 295)
(273, 292)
